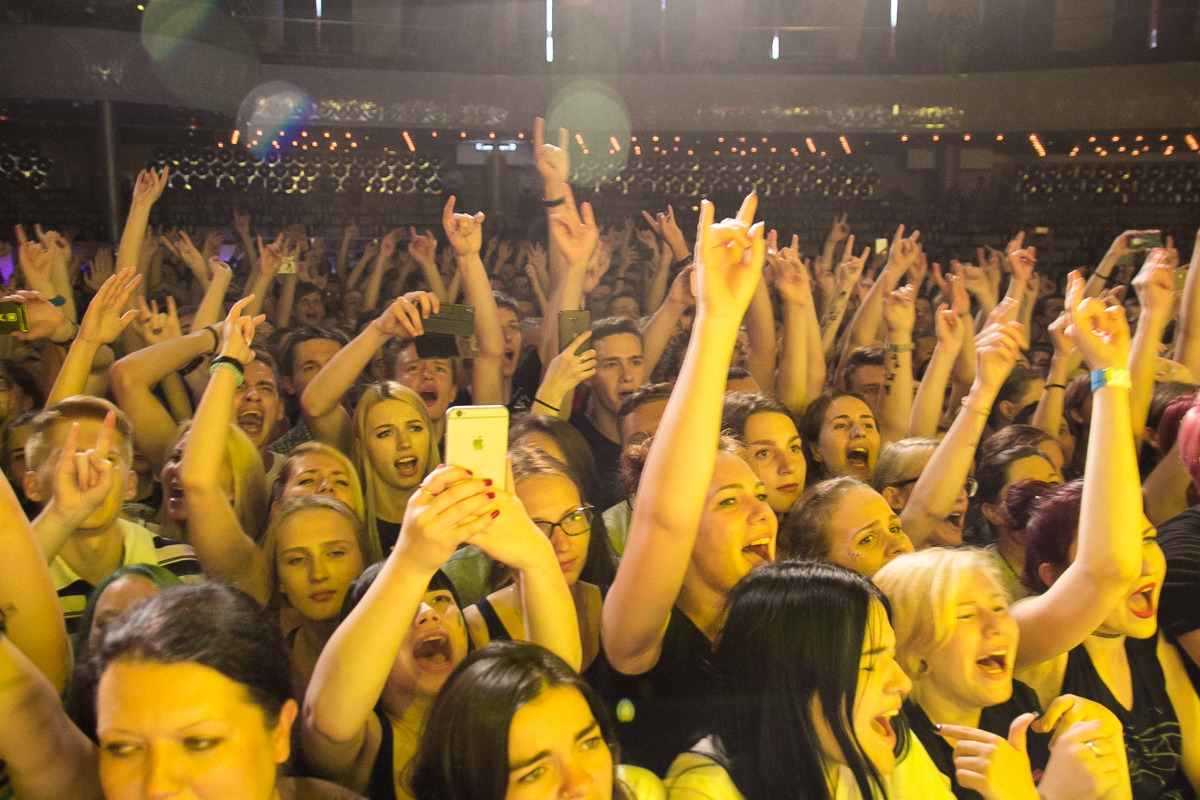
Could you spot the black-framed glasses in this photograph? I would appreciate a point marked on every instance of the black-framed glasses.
(575, 522)
(971, 485)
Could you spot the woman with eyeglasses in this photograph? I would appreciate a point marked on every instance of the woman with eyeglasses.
(551, 498)
(928, 483)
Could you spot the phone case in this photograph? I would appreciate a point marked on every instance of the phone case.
(570, 325)
(477, 439)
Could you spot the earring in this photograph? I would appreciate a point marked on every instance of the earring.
(922, 667)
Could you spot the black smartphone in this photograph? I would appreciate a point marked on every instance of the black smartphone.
(445, 330)
(13, 317)
(1146, 242)
(570, 325)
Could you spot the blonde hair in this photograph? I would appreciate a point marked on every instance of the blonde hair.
(321, 449)
(375, 394)
(73, 409)
(899, 461)
(296, 505)
(923, 589)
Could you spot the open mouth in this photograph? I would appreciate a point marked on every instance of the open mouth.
(956, 519)
(250, 421)
(760, 549)
(430, 396)
(407, 466)
(1142, 603)
(433, 653)
(623, 396)
(882, 725)
(858, 459)
(994, 664)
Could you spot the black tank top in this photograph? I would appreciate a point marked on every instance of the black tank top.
(495, 628)
(1152, 734)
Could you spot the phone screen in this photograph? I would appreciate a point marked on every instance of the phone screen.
(6, 268)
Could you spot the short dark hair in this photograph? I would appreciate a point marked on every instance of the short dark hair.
(210, 624)
(805, 531)
(307, 333)
(765, 718)
(647, 393)
(304, 287)
(740, 406)
(868, 355)
(612, 326)
(507, 301)
(463, 753)
(24, 379)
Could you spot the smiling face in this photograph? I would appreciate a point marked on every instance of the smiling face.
(775, 453)
(319, 473)
(974, 668)
(309, 309)
(184, 730)
(555, 749)
(620, 369)
(317, 557)
(1137, 616)
(257, 405)
(435, 644)
(878, 696)
(849, 440)
(864, 533)
(431, 378)
(737, 529)
(547, 499)
(397, 444)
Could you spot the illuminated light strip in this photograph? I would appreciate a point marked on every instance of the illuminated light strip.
(812, 147)
(1191, 142)
(1170, 149)
(236, 135)
(616, 145)
(408, 141)
(775, 47)
(845, 144)
(549, 31)
(1037, 145)
(579, 141)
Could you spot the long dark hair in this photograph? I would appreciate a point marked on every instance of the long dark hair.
(794, 631)
(464, 749)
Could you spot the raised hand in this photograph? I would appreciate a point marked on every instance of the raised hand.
(568, 369)
(83, 480)
(155, 326)
(1058, 334)
(997, 349)
(403, 317)
(422, 246)
(597, 266)
(1022, 259)
(667, 229)
(900, 313)
(850, 270)
(149, 186)
(729, 259)
(839, 230)
(237, 332)
(1101, 333)
(903, 254)
(108, 315)
(791, 275)
(465, 231)
(44, 317)
(183, 249)
(212, 245)
(680, 292)
(574, 230)
(101, 269)
(387, 247)
(447, 509)
(994, 767)
(948, 325)
(270, 258)
(553, 163)
(241, 224)
(36, 260)
(1155, 282)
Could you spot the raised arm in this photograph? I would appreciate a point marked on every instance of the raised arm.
(554, 165)
(225, 551)
(799, 317)
(931, 393)
(1111, 522)
(662, 326)
(1121, 248)
(28, 603)
(465, 233)
(321, 402)
(895, 407)
(1048, 415)
(760, 330)
(104, 320)
(937, 489)
(146, 190)
(865, 325)
(674, 486)
(845, 279)
(573, 236)
(1155, 286)
(566, 370)
(352, 670)
(383, 260)
(423, 249)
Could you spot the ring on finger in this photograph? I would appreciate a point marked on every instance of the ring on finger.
(1095, 750)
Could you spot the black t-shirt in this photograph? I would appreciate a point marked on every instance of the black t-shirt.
(389, 532)
(1179, 605)
(994, 719)
(669, 703)
(607, 454)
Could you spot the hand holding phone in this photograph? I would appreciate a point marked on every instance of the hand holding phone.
(13, 317)
(477, 440)
(570, 325)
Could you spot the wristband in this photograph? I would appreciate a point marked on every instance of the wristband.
(553, 203)
(680, 263)
(982, 412)
(71, 337)
(906, 347)
(216, 339)
(547, 405)
(58, 300)
(1117, 377)
(230, 364)
(1055, 386)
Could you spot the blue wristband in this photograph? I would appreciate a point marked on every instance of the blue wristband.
(58, 301)
(1111, 376)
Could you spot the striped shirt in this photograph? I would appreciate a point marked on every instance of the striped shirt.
(140, 547)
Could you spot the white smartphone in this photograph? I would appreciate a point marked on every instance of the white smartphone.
(477, 439)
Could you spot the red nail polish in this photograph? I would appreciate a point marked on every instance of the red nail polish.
(491, 495)
(469, 471)
(495, 513)
(487, 481)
